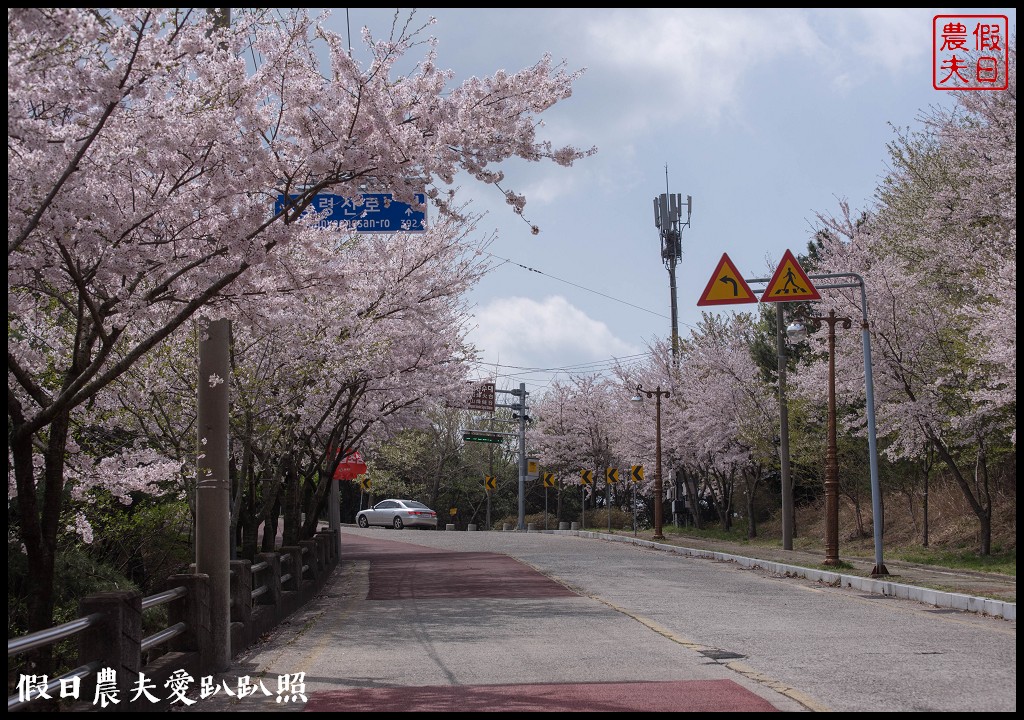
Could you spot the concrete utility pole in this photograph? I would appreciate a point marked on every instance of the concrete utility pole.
(213, 514)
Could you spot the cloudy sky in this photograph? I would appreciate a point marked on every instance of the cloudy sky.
(764, 117)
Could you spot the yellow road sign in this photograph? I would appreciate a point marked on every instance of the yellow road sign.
(726, 286)
(490, 482)
(364, 482)
(587, 477)
(611, 475)
(789, 283)
(636, 473)
(453, 511)
(549, 479)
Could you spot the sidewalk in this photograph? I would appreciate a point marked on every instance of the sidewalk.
(989, 593)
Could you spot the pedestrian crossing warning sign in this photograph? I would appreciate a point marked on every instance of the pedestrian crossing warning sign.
(726, 286)
(789, 283)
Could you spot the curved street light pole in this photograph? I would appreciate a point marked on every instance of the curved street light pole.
(869, 388)
(879, 568)
(658, 394)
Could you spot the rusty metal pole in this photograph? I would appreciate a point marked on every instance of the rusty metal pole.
(657, 393)
(831, 451)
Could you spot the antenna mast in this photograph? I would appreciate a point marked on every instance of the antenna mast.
(668, 211)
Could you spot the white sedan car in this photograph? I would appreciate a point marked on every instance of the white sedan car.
(397, 514)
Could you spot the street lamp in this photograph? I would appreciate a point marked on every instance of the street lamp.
(657, 393)
(838, 281)
(798, 332)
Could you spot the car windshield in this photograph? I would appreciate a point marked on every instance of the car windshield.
(414, 504)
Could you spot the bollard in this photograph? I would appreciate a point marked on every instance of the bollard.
(471, 527)
(563, 526)
(449, 526)
(575, 526)
(531, 527)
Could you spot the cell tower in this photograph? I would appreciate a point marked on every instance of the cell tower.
(668, 213)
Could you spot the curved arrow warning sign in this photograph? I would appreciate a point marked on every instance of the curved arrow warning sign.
(789, 283)
(726, 286)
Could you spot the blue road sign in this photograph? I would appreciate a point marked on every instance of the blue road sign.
(372, 213)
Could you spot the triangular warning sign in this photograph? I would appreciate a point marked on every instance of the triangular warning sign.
(726, 286)
(789, 283)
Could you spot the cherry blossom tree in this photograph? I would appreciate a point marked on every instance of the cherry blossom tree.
(728, 410)
(352, 340)
(575, 423)
(144, 157)
(938, 254)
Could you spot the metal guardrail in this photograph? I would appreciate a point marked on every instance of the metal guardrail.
(164, 597)
(68, 630)
(52, 635)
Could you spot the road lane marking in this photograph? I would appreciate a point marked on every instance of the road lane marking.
(748, 672)
(775, 685)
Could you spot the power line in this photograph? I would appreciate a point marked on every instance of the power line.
(581, 287)
(546, 376)
(578, 366)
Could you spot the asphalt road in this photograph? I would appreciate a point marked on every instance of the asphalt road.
(528, 621)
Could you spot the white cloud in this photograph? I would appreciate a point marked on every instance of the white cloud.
(895, 38)
(695, 61)
(550, 333)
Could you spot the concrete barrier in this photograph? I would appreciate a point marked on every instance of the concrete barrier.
(531, 527)
(449, 526)
(505, 527)
(563, 526)
(575, 526)
(471, 526)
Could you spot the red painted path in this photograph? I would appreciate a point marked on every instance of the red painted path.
(678, 696)
(401, 571)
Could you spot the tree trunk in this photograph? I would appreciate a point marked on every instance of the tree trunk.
(980, 505)
(292, 504)
(39, 526)
(751, 520)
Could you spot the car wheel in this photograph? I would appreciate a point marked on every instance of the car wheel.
(398, 523)
(363, 522)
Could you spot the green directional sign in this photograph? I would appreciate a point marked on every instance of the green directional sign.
(484, 437)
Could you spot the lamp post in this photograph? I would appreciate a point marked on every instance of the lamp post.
(798, 332)
(837, 281)
(657, 393)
